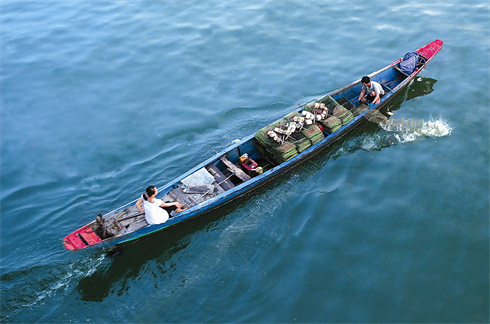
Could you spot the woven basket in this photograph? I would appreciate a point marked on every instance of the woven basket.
(346, 103)
(310, 106)
(359, 110)
(300, 141)
(331, 124)
(313, 133)
(344, 114)
(289, 117)
(330, 102)
(284, 152)
(264, 139)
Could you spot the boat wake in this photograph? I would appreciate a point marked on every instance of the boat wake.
(401, 131)
(23, 289)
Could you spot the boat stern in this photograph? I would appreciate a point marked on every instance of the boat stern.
(81, 238)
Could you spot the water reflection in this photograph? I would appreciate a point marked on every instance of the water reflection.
(116, 274)
(159, 255)
(420, 87)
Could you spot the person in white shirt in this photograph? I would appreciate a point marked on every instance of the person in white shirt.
(156, 211)
(373, 91)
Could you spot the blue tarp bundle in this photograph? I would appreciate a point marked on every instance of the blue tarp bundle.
(409, 62)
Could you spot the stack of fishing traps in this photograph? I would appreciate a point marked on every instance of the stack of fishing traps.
(291, 135)
(337, 112)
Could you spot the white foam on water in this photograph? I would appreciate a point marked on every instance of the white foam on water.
(396, 135)
(406, 137)
(435, 128)
(74, 271)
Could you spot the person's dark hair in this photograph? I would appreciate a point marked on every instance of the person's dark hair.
(150, 191)
(365, 79)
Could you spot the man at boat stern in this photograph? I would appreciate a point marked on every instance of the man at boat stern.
(373, 91)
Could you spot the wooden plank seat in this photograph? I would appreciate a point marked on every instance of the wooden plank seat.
(396, 67)
(385, 87)
(239, 173)
(220, 178)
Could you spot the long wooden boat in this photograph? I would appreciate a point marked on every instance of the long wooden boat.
(229, 174)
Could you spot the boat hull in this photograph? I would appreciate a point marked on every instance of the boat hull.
(83, 238)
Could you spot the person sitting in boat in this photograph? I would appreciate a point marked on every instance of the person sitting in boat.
(156, 211)
(373, 91)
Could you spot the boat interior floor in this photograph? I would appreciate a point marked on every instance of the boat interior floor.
(130, 219)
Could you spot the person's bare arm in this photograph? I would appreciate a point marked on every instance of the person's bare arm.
(138, 205)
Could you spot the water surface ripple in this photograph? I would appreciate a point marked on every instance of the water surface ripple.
(101, 99)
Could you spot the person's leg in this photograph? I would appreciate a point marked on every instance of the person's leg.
(170, 209)
(369, 98)
(175, 208)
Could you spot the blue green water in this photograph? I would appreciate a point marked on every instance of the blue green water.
(101, 99)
